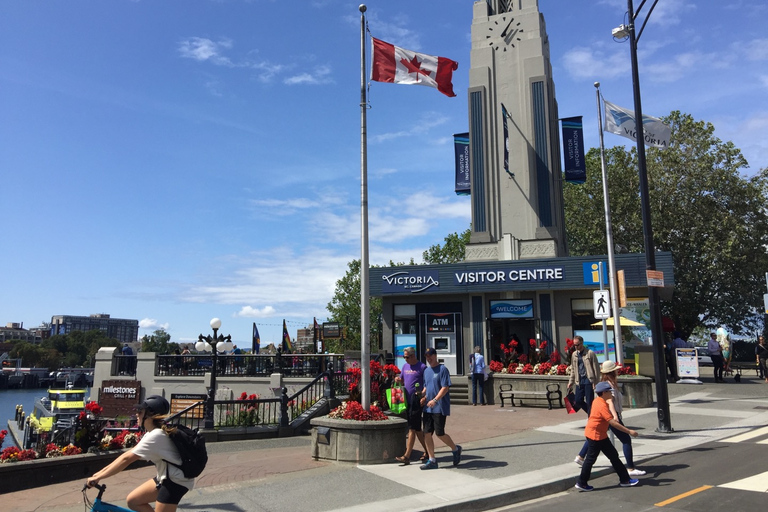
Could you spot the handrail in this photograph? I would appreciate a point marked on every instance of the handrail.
(278, 411)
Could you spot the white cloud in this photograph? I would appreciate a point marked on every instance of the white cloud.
(202, 49)
(280, 277)
(757, 49)
(667, 13)
(595, 63)
(249, 312)
(320, 75)
(151, 323)
(423, 124)
(266, 70)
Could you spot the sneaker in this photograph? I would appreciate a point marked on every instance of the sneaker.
(432, 464)
(636, 472)
(578, 460)
(457, 455)
(584, 487)
(632, 481)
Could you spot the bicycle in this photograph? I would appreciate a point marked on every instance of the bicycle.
(98, 505)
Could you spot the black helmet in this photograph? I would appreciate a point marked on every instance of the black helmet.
(155, 405)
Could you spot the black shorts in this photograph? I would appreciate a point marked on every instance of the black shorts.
(434, 422)
(414, 415)
(169, 492)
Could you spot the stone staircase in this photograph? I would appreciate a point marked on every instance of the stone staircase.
(461, 387)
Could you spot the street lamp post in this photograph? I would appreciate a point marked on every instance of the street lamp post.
(662, 394)
(214, 344)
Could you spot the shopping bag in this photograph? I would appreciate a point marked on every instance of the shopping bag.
(486, 372)
(396, 399)
(568, 400)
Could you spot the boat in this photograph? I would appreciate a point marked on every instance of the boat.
(55, 415)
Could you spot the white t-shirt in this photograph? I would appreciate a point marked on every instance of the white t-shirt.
(157, 447)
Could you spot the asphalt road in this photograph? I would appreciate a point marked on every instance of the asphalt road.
(729, 475)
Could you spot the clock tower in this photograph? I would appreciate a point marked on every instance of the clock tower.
(517, 198)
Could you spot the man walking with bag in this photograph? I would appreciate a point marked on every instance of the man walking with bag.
(412, 377)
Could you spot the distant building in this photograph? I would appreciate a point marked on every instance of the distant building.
(123, 330)
(16, 331)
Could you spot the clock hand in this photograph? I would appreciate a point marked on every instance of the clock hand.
(504, 32)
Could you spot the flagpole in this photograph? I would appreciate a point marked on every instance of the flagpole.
(365, 331)
(609, 239)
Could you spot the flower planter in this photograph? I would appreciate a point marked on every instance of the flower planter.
(17, 476)
(361, 442)
(637, 391)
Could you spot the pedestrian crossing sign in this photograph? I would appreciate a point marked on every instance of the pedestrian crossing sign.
(601, 304)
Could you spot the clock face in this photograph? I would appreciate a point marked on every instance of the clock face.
(503, 33)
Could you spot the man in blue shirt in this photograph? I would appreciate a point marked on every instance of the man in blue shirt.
(437, 381)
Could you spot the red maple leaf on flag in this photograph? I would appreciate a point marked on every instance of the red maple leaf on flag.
(414, 66)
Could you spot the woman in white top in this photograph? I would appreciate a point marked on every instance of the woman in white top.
(169, 485)
(610, 374)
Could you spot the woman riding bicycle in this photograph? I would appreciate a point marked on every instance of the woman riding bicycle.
(168, 487)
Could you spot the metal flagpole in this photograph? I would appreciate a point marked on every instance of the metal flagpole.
(365, 331)
(609, 239)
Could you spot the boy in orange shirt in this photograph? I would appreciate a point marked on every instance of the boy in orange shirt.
(596, 432)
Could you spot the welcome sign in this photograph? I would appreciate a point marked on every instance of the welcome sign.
(512, 308)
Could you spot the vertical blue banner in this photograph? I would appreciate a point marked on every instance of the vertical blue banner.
(461, 150)
(573, 150)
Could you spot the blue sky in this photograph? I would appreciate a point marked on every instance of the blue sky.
(176, 161)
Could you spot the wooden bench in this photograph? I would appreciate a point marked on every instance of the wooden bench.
(552, 394)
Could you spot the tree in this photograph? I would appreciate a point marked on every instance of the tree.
(344, 308)
(704, 211)
(159, 342)
(451, 252)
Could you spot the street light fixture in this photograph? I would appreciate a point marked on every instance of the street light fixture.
(657, 335)
(214, 343)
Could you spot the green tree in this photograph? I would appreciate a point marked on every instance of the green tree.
(344, 308)
(159, 341)
(710, 216)
(451, 252)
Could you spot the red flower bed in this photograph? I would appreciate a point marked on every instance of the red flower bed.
(354, 411)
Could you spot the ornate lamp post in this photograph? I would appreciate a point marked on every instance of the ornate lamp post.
(214, 344)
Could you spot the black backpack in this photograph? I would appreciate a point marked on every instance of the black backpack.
(191, 446)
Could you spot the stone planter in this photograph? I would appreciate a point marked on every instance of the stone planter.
(361, 442)
(17, 476)
(637, 391)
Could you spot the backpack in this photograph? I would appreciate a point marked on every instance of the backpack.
(191, 446)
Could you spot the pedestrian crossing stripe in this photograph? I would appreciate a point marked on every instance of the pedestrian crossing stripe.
(757, 483)
(747, 436)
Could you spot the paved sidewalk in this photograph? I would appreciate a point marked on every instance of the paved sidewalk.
(510, 455)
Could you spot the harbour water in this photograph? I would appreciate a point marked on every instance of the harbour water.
(9, 398)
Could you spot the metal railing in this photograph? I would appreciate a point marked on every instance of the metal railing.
(123, 365)
(246, 365)
(265, 412)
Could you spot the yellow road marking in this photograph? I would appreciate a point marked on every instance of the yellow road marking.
(684, 495)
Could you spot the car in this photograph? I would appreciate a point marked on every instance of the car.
(702, 354)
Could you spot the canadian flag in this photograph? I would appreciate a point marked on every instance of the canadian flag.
(399, 66)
